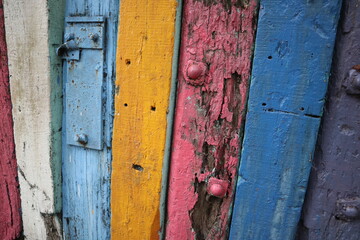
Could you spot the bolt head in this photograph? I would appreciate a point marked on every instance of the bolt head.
(95, 37)
(351, 211)
(194, 71)
(217, 190)
(82, 138)
(356, 82)
(217, 187)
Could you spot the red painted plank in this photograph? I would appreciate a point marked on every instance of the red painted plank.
(214, 69)
(10, 220)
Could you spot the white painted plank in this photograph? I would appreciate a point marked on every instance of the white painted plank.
(27, 25)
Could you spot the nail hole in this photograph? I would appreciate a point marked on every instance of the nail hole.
(153, 108)
(125, 104)
(302, 109)
(137, 167)
(269, 57)
(264, 104)
(127, 61)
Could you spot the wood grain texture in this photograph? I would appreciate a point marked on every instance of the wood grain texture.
(10, 218)
(293, 53)
(35, 89)
(144, 73)
(86, 172)
(335, 174)
(217, 40)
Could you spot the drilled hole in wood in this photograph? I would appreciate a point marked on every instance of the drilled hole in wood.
(269, 57)
(138, 167)
(153, 108)
(302, 109)
(125, 104)
(127, 62)
(264, 104)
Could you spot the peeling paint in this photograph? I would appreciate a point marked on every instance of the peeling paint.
(10, 218)
(214, 68)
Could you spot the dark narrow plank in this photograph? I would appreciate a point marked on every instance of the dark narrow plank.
(332, 204)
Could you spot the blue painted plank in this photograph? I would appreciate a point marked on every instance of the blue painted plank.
(292, 59)
(86, 172)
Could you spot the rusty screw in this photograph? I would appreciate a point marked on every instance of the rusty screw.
(82, 138)
(194, 71)
(95, 37)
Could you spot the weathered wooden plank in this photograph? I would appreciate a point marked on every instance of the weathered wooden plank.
(214, 68)
(332, 204)
(144, 73)
(36, 97)
(170, 120)
(291, 66)
(86, 172)
(10, 218)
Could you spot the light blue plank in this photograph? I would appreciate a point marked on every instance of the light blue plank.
(292, 59)
(86, 172)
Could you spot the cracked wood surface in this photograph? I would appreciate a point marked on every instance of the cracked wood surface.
(10, 218)
(213, 79)
(292, 58)
(32, 33)
(143, 82)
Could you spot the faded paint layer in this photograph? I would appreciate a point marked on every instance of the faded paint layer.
(214, 69)
(144, 63)
(332, 204)
(10, 219)
(85, 171)
(293, 52)
(34, 90)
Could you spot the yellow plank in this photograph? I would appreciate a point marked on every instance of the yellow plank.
(143, 80)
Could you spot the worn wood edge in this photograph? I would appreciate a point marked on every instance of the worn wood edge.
(242, 130)
(170, 120)
(56, 10)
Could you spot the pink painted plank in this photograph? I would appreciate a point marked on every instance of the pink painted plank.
(214, 69)
(10, 220)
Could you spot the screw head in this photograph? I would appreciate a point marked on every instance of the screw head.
(194, 71)
(351, 212)
(217, 190)
(95, 37)
(82, 138)
(356, 81)
(217, 187)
